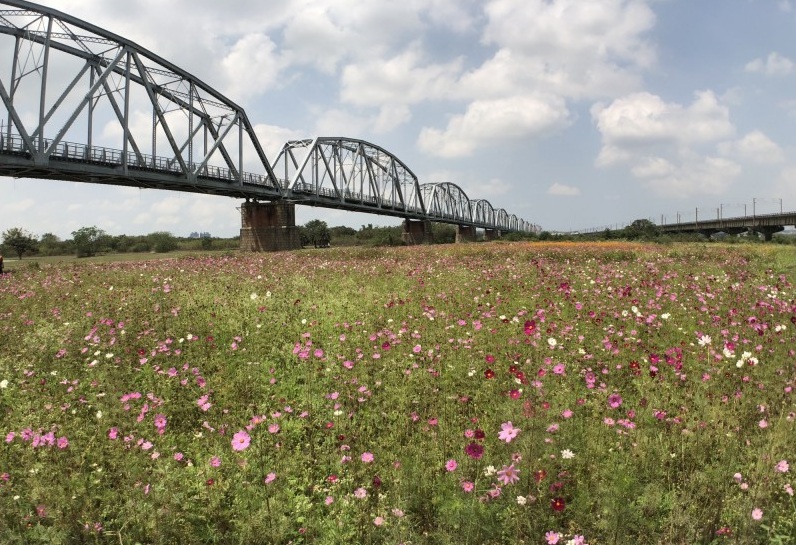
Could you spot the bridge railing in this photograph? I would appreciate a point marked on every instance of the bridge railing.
(99, 155)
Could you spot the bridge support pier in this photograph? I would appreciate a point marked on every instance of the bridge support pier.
(465, 233)
(268, 227)
(768, 231)
(491, 234)
(416, 232)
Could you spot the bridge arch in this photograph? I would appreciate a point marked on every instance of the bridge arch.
(163, 120)
(348, 171)
(447, 202)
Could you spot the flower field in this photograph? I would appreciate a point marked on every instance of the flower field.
(534, 393)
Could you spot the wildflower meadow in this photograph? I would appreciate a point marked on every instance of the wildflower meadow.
(493, 393)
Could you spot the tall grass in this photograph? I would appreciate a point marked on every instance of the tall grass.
(494, 393)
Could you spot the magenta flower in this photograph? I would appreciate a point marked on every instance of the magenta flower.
(467, 486)
(271, 477)
(215, 461)
(508, 475)
(241, 440)
(474, 451)
(508, 432)
(451, 465)
(614, 400)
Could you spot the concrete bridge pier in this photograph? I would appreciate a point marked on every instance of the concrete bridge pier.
(491, 234)
(416, 232)
(768, 231)
(465, 233)
(268, 227)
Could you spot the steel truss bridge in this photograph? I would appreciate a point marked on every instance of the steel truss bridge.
(86, 105)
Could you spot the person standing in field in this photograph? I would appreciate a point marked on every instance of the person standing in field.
(1, 264)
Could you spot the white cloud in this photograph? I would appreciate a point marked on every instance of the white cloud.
(562, 190)
(667, 146)
(755, 147)
(644, 119)
(493, 122)
(773, 65)
(699, 176)
(256, 56)
(407, 78)
(580, 49)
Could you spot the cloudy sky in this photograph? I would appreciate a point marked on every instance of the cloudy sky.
(571, 114)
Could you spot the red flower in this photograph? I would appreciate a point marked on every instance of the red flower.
(489, 373)
(530, 327)
(539, 475)
(514, 394)
(558, 504)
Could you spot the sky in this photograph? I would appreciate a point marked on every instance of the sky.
(571, 114)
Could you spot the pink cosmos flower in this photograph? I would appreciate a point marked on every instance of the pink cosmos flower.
(271, 477)
(467, 486)
(241, 440)
(782, 466)
(378, 521)
(552, 537)
(451, 465)
(63, 443)
(273, 428)
(215, 461)
(614, 400)
(757, 513)
(360, 493)
(508, 475)
(160, 421)
(508, 432)
(367, 457)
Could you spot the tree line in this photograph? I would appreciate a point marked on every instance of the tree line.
(91, 241)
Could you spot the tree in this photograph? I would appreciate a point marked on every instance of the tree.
(641, 228)
(20, 241)
(317, 233)
(87, 240)
(162, 241)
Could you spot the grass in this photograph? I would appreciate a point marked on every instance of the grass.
(368, 396)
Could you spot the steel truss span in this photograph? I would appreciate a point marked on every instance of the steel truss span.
(86, 105)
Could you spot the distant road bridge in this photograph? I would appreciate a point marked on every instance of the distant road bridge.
(86, 105)
(766, 225)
